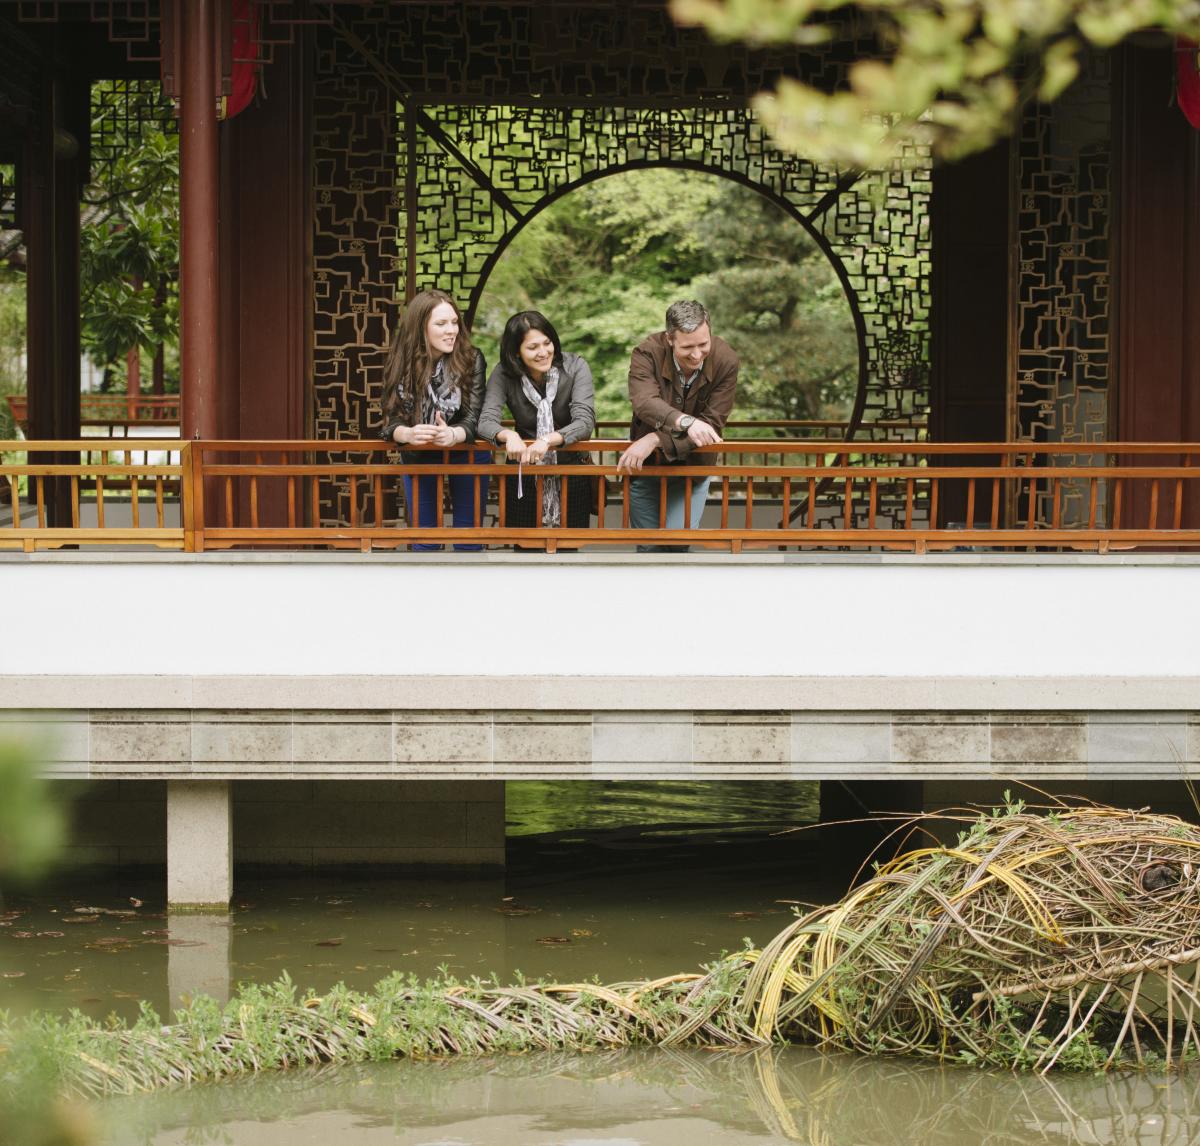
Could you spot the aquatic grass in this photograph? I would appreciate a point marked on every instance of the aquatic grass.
(1068, 940)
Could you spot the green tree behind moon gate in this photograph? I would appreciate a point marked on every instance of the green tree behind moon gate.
(604, 261)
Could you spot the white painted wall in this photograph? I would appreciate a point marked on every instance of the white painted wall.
(624, 615)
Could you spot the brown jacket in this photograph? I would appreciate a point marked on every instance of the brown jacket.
(658, 398)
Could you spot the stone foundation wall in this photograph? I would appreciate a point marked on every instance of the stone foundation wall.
(302, 823)
(470, 745)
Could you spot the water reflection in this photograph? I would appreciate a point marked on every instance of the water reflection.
(198, 958)
(659, 1097)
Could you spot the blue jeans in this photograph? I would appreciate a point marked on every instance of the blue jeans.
(462, 496)
(644, 511)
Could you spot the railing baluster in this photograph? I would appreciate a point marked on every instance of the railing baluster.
(440, 512)
(291, 501)
(133, 501)
(160, 513)
(810, 512)
(99, 501)
(725, 480)
(749, 523)
(935, 489)
(378, 500)
(847, 502)
(1093, 502)
(502, 503)
(14, 496)
(74, 501)
(228, 501)
(1031, 516)
(258, 461)
(564, 485)
(1118, 498)
(872, 499)
(625, 503)
(537, 501)
(687, 502)
(1056, 503)
(970, 522)
(908, 503)
(995, 518)
(314, 498)
(1154, 504)
(41, 501)
(352, 486)
(662, 503)
(786, 509)
(1177, 520)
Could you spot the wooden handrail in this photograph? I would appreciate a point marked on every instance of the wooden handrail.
(890, 495)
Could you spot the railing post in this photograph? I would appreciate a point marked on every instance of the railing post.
(186, 500)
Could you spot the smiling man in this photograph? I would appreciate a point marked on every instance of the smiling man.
(682, 383)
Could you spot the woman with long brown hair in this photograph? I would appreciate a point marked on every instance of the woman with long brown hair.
(432, 393)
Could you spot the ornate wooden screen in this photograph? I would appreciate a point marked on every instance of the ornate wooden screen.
(1061, 378)
(438, 131)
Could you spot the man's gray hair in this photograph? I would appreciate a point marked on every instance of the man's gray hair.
(685, 316)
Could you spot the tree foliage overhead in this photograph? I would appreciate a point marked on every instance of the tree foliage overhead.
(949, 75)
(604, 262)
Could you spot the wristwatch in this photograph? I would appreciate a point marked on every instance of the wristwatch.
(683, 423)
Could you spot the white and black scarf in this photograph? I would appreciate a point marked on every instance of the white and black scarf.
(551, 499)
(442, 395)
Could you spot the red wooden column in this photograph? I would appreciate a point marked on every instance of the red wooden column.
(198, 215)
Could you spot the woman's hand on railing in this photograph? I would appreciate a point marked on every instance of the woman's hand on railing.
(514, 446)
(535, 451)
(444, 435)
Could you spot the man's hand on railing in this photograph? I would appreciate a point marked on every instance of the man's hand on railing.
(635, 455)
(702, 434)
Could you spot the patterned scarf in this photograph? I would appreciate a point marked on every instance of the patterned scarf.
(551, 500)
(441, 396)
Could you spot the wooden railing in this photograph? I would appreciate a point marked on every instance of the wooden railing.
(768, 493)
(111, 410)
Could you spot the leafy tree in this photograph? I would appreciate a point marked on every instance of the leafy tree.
(604, 262)
(129, 240)
(12, 344)
(949, 75)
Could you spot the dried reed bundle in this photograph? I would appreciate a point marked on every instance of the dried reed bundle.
(1070, 939)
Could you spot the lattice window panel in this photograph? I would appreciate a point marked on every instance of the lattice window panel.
(1062, 300)
(121, 111)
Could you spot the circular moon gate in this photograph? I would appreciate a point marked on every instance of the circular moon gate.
(414, 190)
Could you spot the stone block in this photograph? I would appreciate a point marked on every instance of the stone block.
(932, 738)
(845, 741)
(1040, 742)
(534, 739)
(162, 739)
(485, 825)
(663, 738)
(755, 740)
(237, 738)
(331, 739)
(1131, 745)
(442, 738)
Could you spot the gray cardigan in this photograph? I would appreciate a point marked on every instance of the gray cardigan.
(574, 405)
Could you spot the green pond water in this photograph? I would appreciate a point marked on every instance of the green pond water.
(603, 880)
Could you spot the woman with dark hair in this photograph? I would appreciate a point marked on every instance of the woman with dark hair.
(550, 397)
(432, 392)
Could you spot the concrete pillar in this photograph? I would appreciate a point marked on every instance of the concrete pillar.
(198, 958)
(199, 845)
